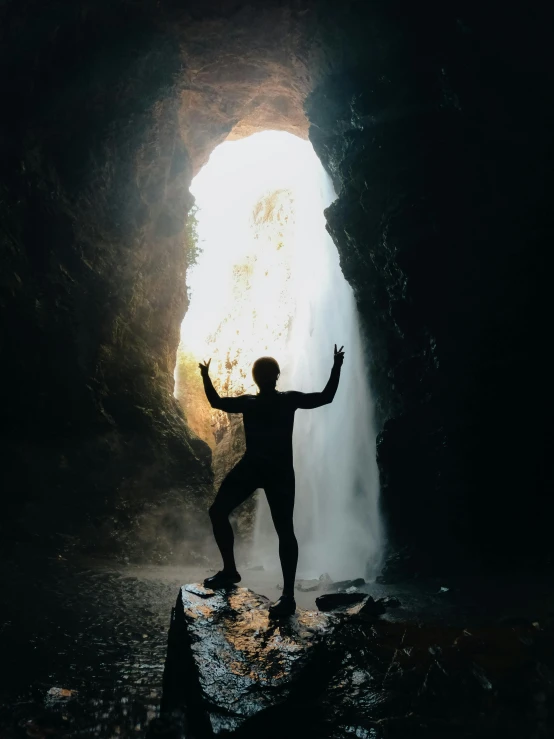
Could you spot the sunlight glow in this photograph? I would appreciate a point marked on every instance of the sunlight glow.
(268, 282)
(242, 295)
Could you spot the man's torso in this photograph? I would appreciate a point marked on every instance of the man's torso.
(268, 426)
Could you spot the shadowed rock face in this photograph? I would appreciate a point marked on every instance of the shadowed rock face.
(112, 109)
(436, 129)
(440, 229)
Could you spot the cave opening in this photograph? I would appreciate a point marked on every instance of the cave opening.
(267, 281)
(434, 121)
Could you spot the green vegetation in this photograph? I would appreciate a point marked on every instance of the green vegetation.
(191, 236)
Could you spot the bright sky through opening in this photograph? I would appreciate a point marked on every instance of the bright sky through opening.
(268, 282)
(247, 170)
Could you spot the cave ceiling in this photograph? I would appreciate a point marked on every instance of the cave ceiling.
(243, 73)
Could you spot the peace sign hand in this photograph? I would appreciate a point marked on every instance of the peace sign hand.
(204, 368)
(339, 356)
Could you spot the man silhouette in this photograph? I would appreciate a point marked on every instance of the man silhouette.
(268, 419)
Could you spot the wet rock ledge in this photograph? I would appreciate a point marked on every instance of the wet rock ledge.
(234, 667)
(352, 672)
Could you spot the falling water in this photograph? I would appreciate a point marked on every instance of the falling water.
(297, 316)
(336, 514)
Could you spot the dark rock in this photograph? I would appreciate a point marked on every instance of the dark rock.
(372, 607)
(398, 567)
(239, 663)
(330, 601)
(344, 584)
(200, 590)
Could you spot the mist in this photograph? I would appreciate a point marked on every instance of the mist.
(337, 484)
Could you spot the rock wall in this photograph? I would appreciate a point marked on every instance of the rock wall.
(437, 138)
(93, 266)
(111, 108)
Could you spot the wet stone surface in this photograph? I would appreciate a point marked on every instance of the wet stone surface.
(244, 661)
(355, 672)
(334, 600)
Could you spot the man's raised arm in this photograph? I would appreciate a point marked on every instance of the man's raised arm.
(315, 400)
(229, 405)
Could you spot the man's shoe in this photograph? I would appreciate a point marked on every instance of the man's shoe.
(222, 580)
(284, 606)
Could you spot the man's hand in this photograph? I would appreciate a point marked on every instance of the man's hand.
(205, 368)
(339, 357)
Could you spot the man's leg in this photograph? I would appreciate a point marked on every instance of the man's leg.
(280, 496)
(239, 484)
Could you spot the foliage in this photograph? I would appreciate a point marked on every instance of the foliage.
(191, 236)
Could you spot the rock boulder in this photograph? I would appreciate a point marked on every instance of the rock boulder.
(236, 664)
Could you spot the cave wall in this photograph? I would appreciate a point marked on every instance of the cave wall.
(112, 108)
(93, 265)
(438, 138)
(434, 123)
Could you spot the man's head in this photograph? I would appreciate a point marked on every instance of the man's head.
(265, 372)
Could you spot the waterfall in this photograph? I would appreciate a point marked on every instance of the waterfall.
(269, 282)
(337, 518)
